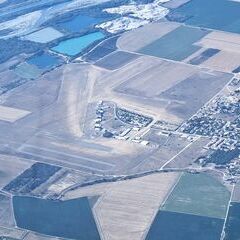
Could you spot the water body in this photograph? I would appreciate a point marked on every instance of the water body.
(216, 14)
(76, 45)
(80, 23)
(67, 219)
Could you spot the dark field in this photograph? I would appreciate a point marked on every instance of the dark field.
(12, 47)
(216, 14)
(204, 56)
(116, 60)
(68, 219)
(102, 50)
(237, 70)
(179, 226)
(31, 178)
(176, 45)
(232, 229)
(44, 61)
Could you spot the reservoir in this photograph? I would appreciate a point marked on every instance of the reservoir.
(76, 45)
(80, 23)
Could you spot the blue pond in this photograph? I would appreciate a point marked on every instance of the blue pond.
(216, 14)
(44, 61)
(66, 219)
(76, 45)
(80, 23)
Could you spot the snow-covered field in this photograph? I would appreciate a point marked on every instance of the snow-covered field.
(134, 16)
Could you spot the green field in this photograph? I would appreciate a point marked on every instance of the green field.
(25, 70)
(198, 194)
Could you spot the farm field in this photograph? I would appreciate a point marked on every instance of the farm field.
(25, 70)
(48, 219)
(195, 209)
(232, 230)
(172, 225)
(7, 172)
(9, 114)
(116, 60)
(44, 61)
(125, 209)
(206, 48)
(209, 14)
(180, 90)
(198, 194)
(119, 120)
(44, 35)
(175, 45)
(6, 213)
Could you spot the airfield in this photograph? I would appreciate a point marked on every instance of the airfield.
(93, 125)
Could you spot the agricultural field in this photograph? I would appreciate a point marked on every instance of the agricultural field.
(125, 209)
(11, 115)
(6, 213)
(31, 178)
(44, 35)
(175, 45)
(119, 120)
(116, 60)
(44, 61)
(209, 14)
(102, 50)
(49, 220)
(172, 225)
(27, 71)
(206, 48)
(7, 172)
(197, 202)
(232, 226)
(180, 90)
(198, 194)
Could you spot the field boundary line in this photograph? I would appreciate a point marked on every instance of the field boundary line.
(226, 217)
